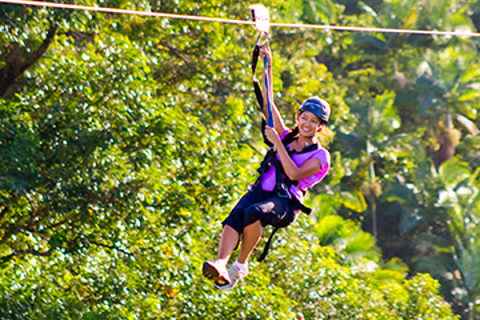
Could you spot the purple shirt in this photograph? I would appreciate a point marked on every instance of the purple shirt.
(268, 181)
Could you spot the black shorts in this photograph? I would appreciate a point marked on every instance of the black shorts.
(266, 206)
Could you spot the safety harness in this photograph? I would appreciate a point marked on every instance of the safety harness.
(282, 182)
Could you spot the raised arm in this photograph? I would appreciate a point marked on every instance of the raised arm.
(277, 118)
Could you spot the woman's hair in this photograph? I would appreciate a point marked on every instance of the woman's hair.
(325, 135)
(291, 134)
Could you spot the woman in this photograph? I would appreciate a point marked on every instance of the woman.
(264, 205)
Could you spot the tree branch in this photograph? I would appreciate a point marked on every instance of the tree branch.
(112, 248)
(174, 52)
(24, 252)
(15, 65)
(4, 211)
(5, 237)
(247, 142)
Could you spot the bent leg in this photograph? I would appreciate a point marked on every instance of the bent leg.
(271, 211)
(216, 270)
(251, 235)
(228, 241)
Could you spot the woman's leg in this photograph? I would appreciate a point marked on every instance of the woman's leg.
(216, 270)
(251, 235)
(271, 211)
(228, 241)
(233, 225)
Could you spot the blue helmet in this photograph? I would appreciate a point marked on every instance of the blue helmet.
(318, 107)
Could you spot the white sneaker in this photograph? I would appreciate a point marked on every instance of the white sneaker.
(226, 287)
(236, 273)
(216, 271)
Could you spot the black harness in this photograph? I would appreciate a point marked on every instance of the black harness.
(282, 182)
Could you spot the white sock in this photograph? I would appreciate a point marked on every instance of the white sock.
(241, 265)
(222, 261)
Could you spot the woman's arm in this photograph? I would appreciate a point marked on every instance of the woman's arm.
(277, 118)
(293, 172)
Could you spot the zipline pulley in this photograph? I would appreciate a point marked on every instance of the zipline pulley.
(261, 17)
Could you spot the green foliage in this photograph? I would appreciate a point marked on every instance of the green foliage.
(346, 237)
(127, 140)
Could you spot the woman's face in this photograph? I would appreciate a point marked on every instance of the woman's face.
(309, 124)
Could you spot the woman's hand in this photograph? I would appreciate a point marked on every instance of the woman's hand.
(265, 51)
(272, 136)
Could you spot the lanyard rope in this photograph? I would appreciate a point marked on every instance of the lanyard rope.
(269, 105)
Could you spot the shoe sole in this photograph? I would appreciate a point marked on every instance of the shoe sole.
(227, 287)
(210, 272)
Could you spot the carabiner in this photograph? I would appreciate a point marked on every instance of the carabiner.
(267, 38)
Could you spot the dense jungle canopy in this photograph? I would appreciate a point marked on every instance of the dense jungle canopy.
(126, 140)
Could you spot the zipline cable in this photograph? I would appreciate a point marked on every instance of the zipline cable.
(123, 11)
(232, 21)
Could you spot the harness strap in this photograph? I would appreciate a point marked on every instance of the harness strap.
(267, 245)
(282, 182)
(275, 229)
(282, 186)
(259, 95)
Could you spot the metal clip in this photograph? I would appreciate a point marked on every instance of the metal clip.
(267, 37)
(284, 192)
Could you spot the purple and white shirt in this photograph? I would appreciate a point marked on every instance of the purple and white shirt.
(268, 181)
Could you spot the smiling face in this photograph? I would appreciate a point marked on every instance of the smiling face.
(309, 123)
